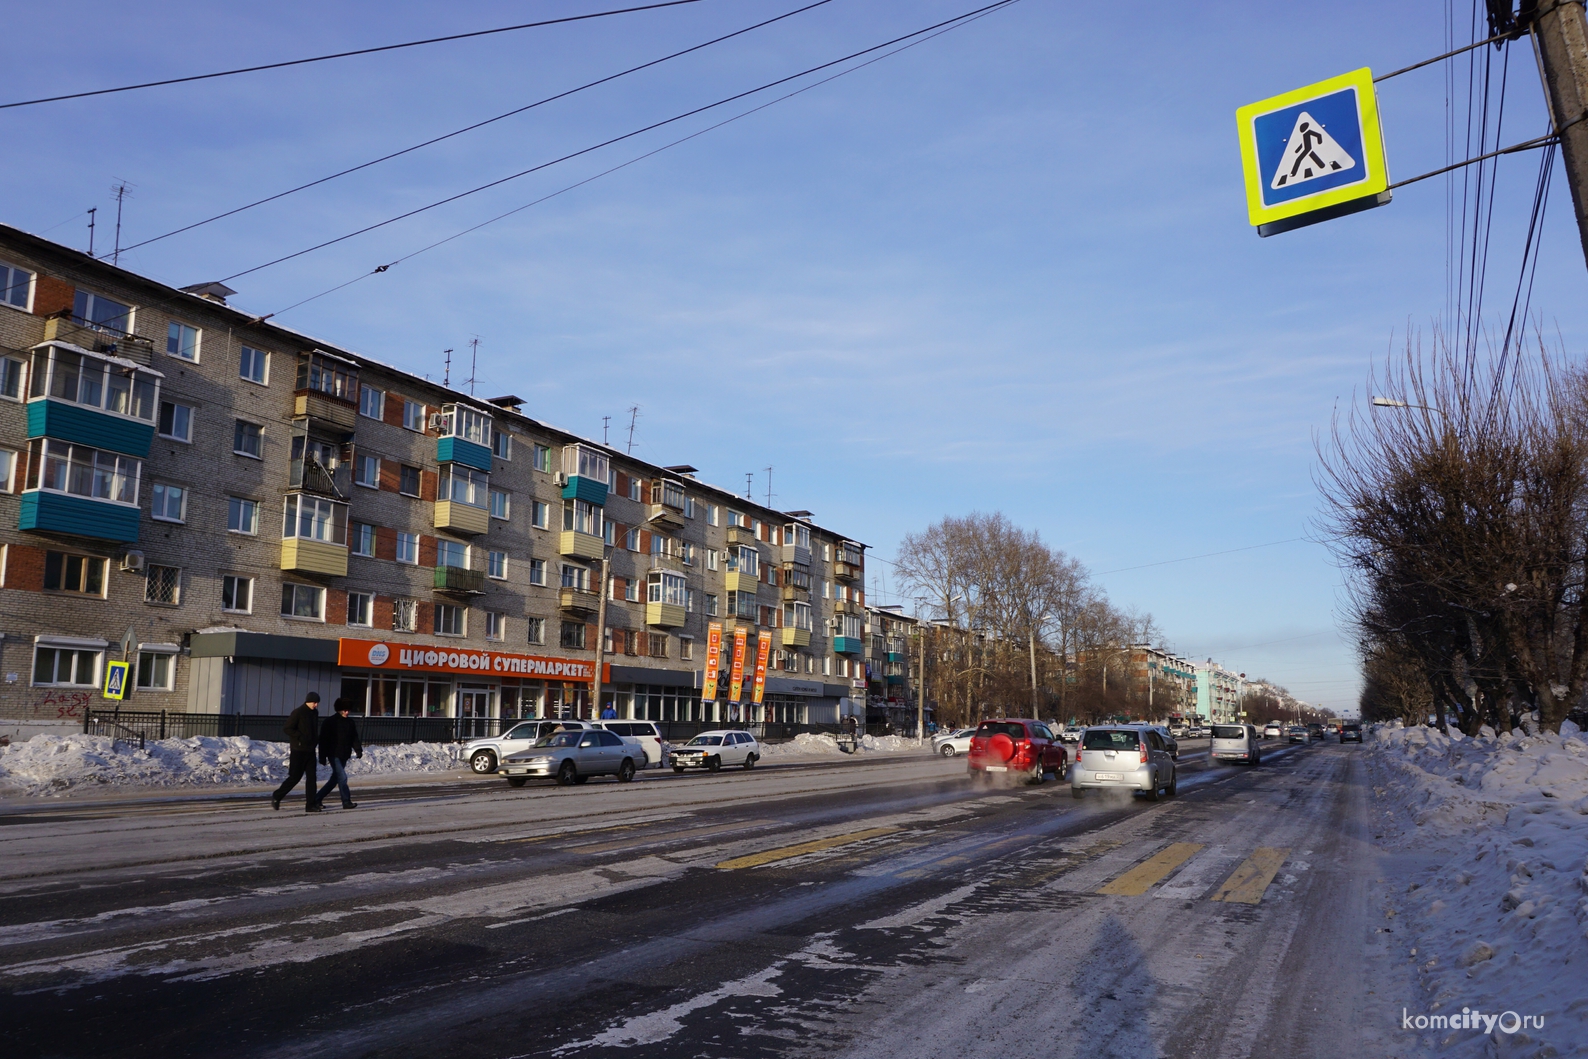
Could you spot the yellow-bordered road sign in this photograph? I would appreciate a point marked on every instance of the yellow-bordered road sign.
(1313, 154)
(116, 680)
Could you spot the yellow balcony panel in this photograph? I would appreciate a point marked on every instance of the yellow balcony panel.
(663, 517)
(796, 594)
(580, 545)
(846, 571)
(664, 615)
(324, 407)
(578, 600)
(461, 518)
(741, 535)
(793, 637)
(314, 557)
(736, 581)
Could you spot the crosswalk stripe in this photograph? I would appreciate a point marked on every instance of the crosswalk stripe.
(1249, 882)
(815, 846)
(1141, 878)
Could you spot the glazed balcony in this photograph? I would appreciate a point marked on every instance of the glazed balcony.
(458, 580)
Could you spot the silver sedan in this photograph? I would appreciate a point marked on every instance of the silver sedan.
(573, 757)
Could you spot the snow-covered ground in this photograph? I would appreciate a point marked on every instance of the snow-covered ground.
(807, 744)
(1500, 923)
(49, 764)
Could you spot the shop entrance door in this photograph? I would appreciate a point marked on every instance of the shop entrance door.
(474, 712)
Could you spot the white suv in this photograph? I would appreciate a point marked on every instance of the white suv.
(647, 735)
(712, 750)
(483, 755)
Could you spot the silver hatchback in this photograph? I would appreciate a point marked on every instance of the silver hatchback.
(1123, 757)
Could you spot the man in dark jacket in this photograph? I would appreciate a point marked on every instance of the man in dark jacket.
(303, 735)
(338, 742)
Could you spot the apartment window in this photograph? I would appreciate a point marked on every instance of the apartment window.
(407, 547)
(745, 559)
(182, 341)
(496, 565)
(367, 472)
(797, 616)
(572, 635)
(360, 609)
(581, 516)
(631, 539)
(713, 559)
(8, 470)
(100, 312)
(168, 503)
(83, 574)
(827, 589)
(452, 553)
(16, 286)
(162, 584)
(735, 519)
(689, 600)
(10, 378)
(711, 605)
(314, 518)
(156, 671)
(537, 630)
(329, 375)
(686, 553)
(658, 645)
(408, 483)
(636, 490)
(361, 539)
(827, 553)
(576, 577)
(448, 620)
(248, 439)
(404, 615)
(713, 513)
(303, 601)
(176, 421)
(742, 605)
(501, 503)
(663, 587)
(253, 365)
(242, 515)
(502, 445)
(541, 460)
(606, 641)
(466, 423)
(827, 666)
(537, 571)
(90, 380)
(237, 594)
(63, 468)
(371, 402)
(540, 515)
(689, 507)
(586, 462)
(414, 416)
(609, 532)
(65, 667)
(463, 485)
(686, 648)
(495, 625)
(631, 590)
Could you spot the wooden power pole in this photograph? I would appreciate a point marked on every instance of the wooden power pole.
(1560, 40)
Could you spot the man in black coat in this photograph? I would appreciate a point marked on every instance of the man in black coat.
(338, 742)
(303, 735)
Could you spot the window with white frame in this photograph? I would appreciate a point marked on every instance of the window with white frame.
(464, 485)
(253, 365)
(537, 630)
(585, 462)
(713, 514)
(167, 503)
(366, 471)
(470, 424)
(182, 340)
(314, 518)
(8, 471)
(303, 601)
(537, 571)
(16, 286)
(248, 439)
(713, 560)
(156, 670)
(176, 421)
(59, 467)
(82, 574)
(797, 616)
(448, 619)
(540, 515)
(405, 615)
(686, 553)
(496, 565)
(242, 515)
(452, 553)
(686, 648)
(502, 445)
(658, 645)
(371, 402)
(361, 539)
(636, 489)
(746, 559)
(107, 384)
(742, 605)
(407, 547)
(609, 532)
(689, 600)
(501, 503)
(101, 313)
(360, 609)
(495, 625)
(414, 416)
(689, 507)
(162, 584)
(631, 590)
(11, 378)
(664, 587)
(576, 577)
(71, 667)
(237, 594)
(631, 539)
(541, 458)
(582, 517)
(735, 519)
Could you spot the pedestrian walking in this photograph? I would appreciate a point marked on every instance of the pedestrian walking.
(609, 712)
(338, 742)
(303, 737)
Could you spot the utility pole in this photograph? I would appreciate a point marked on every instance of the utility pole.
(1560, 42)
(1031, 641)
(920, 682)
(601, 633)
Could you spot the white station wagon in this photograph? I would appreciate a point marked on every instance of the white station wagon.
(712, 750)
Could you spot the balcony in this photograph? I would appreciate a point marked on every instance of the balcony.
(589, 490)
(736, 581)
(846, 571)
(663, 517)
(461, 450)
(579, 600)
(848, 645)
(581, 545)
(795, 594)
(741, 535)
(844, 606)
(896, 656)
(462, 518)
(307, 556)
(86, 426)
(457, 579)
(794, 553)
(792, 637)
(664, 615)
(325, 408)
(895, 678)
(80, 516)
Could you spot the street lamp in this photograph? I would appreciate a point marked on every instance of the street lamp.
(1390, 402)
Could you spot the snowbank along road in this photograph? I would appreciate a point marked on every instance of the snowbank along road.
(881, 908)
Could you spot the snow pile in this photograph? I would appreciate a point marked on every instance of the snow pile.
(1501, 924)
(812, 744)
(52, 763)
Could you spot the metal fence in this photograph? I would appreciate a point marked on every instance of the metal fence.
(165, 724)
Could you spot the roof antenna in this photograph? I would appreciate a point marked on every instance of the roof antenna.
(120, 191)
(446, 376)
(769, 487)
(474, 361)
(606, 423)
(92, 210)
(634, 415)
(748, 492)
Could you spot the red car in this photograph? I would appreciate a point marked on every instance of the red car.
(1016, 745)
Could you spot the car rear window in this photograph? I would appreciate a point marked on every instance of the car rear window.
(1109, 740)
(1353, 728)
(1009, 728)
(1228, 731)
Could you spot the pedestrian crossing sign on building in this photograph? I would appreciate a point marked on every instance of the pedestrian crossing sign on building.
(1313, 154)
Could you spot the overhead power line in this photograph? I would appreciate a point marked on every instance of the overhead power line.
(976, 12)
(1204, 555)
(348, 54)
(480, 124)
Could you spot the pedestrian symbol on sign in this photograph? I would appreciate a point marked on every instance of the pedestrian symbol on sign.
(1310, 153)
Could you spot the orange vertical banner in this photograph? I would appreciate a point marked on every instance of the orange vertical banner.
(763, 648)
(708, 690)
(736, 675)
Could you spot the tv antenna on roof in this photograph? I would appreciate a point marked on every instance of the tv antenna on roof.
(121, 191)
(606, 422)
(446, 376)
(769, 487)
(748, 493)
(634, 417)
(474, 361)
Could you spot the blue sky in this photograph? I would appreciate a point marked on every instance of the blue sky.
(1009, 269)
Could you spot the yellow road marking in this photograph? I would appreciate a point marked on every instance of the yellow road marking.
(1251, 879)
(815, 846)
(1141, 878)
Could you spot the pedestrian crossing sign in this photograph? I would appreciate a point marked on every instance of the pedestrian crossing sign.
(116, 680)
(1313, 154)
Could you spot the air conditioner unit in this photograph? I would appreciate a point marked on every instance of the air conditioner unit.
(132, 562)
(559, 479)
(438, 421)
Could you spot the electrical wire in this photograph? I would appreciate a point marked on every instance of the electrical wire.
(618, 139)
(477, 125)
(348, 54)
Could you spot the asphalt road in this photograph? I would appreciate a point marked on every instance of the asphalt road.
(876, 908)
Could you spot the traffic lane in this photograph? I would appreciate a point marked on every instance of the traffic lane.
(447, 921)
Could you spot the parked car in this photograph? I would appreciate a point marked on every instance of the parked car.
(1273, 730)
(1015, 745)
(647, 735)
(712, 750)
(1235, 742)
(1350, 732)
(483, 755)
(1298, 734)
(573, 757)
(1169, 740)
(1070, 737)
(1123, 757)
(950, 743)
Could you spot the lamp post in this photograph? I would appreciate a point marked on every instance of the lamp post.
(601, 632)
(1390, 402)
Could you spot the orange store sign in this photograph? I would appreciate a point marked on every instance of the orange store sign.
(374, 654)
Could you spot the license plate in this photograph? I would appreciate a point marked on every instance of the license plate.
(1110, 775)
(996, 768)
